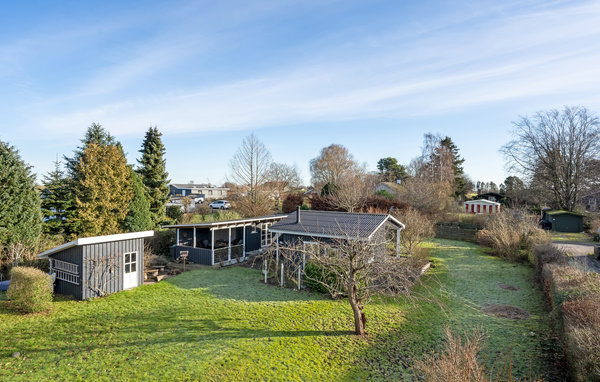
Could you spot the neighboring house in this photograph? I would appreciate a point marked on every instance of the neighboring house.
(562, 221)
(197, 190)
(491, 196)
(311, 227)
(481, 206)
(390, 187)
(591, 201)
(94, 266)
(222, 242)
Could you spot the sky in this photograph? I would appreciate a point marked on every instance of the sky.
(374, 76)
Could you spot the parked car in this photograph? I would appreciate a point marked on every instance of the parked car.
(220, 205)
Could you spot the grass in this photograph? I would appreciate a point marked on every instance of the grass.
(223, 324)
(579, 237)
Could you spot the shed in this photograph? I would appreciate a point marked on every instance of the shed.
(481, 206)
(223, 242)
(309, 227)
(563, 221)
(95, 266)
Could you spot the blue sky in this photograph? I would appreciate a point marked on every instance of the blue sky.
(373, 76)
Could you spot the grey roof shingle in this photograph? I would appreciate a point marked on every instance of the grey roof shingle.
(333, 224)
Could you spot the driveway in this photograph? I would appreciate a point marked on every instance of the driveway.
(582, 253)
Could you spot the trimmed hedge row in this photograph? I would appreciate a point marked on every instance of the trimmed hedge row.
(575, 299)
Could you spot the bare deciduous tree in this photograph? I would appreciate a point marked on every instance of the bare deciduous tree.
(353, 190)
(250, 165)
(418, 229)
(332, 165)
(555, 147)
(356, 268)
(282, 179)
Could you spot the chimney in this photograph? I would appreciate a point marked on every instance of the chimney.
(298, 221)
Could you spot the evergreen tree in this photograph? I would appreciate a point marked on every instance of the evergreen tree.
(391, 170)
(103, 190)
(154, 175)
(139, 217)
(20, 213)
(95, 134)
(57, 200)
(457, 166)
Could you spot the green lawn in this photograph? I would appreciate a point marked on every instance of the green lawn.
(223, 324)
(581, 237)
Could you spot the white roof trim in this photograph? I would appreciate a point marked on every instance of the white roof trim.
(394, 221)
(226, 222)
(97, 240)
(482, 201)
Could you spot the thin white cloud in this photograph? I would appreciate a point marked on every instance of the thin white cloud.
(505, 58)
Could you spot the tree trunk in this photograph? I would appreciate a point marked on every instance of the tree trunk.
(359, 317)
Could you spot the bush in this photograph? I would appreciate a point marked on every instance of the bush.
(512, 235)
(160, 243)
(458, 362)
(315, 273)
(292, 201)
(30, 290)
(418, 228)
(174, 212)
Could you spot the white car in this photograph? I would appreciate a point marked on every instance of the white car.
(220, 205)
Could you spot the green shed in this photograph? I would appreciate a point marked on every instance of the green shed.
(564, 221)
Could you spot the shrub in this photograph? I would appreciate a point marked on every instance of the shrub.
(174, 212)
(458, 362)
(160, 243)
(512, 235)
(314, 274)
(30, 290)
(292, 201)
(418, 228)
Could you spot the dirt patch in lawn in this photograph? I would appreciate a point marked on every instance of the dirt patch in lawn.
(508, 286)
(505, 311)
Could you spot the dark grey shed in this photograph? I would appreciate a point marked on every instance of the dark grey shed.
(94, 266)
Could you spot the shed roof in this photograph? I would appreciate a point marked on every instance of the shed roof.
(97, 240)
(482, 201)
(228, 222)
(341, 225)
(563, 212)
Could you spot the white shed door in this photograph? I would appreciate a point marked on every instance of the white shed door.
(130, 271)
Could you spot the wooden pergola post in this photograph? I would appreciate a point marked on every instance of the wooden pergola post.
(194, 228)
(244, 242)
(398, 242)
(229, 246)
(212, 246)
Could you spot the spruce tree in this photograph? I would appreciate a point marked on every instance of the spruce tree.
(139, 217)
(20, 213)
(152, 168)
(57, 200)
(94, 134)
(103, 190)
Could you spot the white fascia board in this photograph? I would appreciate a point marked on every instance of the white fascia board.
(97, 240)
(393, 220)
(312, 234)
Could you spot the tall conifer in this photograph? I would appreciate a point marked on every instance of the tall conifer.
(139, 217)
(20, 213)
(152, 168)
